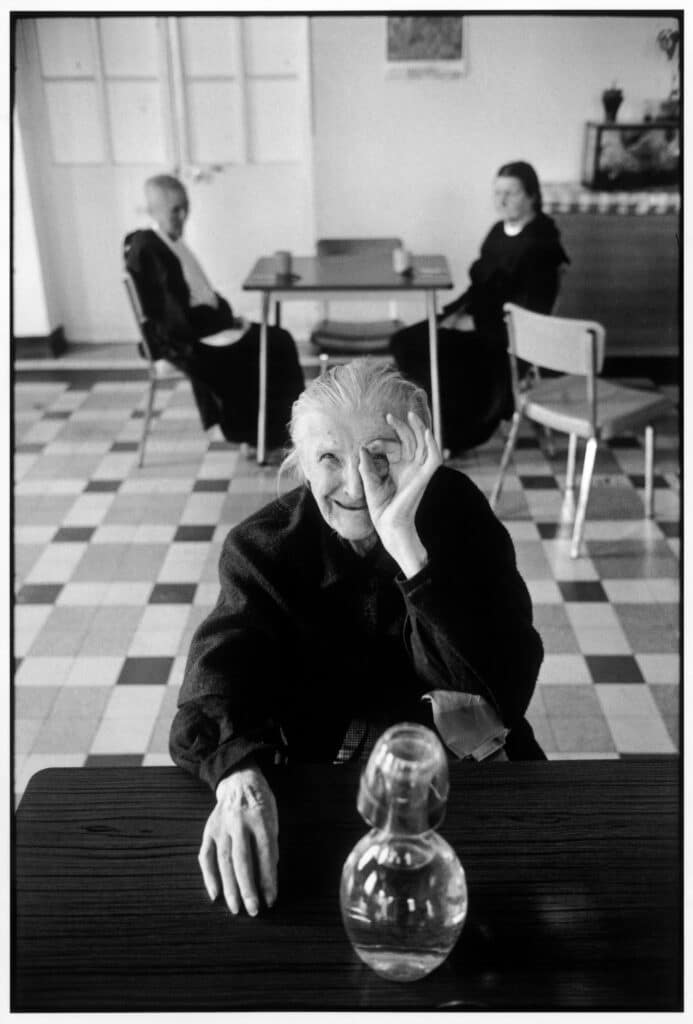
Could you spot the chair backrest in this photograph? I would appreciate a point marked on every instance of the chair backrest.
(354, 246)
(556, 343)
(138, 312)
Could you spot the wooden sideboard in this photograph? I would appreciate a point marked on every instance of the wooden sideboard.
(624, 249)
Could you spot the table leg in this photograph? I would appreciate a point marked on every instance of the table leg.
(262, 395)
(433, 357)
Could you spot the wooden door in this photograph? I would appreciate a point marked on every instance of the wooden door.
(103, 103)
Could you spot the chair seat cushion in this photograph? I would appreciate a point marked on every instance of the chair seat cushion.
(561, 404)
(352, 336)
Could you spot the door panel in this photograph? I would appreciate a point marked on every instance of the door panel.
(273, 46)
(123, 99)
(136, 121)
(209, 46)
(66, 47)
(76, 127)
(129, 46)
(215, 122)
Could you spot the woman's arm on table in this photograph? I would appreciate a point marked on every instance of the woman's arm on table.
(224, 727)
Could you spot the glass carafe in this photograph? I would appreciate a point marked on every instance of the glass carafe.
(403, 892)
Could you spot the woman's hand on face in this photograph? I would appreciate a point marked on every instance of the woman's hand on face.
(393, 500)
(240, 848)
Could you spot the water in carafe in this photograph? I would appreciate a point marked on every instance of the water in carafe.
(403, 892)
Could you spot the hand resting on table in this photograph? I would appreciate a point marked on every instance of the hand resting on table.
(240, 847)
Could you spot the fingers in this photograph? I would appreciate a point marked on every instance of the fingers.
(242, 859)
(405, 435)
(427, 450)
(208, 864)
(239, 858)
(267, 851)
(434, 455)
(229, 884)
(367, 469)
(418, 443)
(420, 434)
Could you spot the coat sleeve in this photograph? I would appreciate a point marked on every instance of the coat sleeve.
(166, 303)
(469, 614)
(225, 706)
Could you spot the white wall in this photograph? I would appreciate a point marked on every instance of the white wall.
(409, 157)
(417, 157)
(30, 313)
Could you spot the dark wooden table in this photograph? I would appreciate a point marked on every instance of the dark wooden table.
(322, 277)
(573, 868)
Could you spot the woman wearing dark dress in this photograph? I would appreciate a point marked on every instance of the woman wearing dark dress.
(520, 262)
(382, 589)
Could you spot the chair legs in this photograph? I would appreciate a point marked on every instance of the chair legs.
(585, 483)
(649, 471)
(570, 467)
(507, 452)
(146, 421)
(568, 506)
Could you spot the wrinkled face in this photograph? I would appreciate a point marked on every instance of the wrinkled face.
(169, 208)
(329, 456)
(512, 202)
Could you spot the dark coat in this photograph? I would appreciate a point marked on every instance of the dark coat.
(165, 298)
(174, 327)
(225, 378)
(522, 268)
(474, 371)
(307, 635)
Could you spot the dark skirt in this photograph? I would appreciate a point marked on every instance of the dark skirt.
(474, 374)
(231, 373)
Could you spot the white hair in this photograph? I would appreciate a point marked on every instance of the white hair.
(363, 385)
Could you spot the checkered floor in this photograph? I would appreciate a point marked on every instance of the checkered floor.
(115, 566)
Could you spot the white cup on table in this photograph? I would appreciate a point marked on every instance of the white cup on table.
(401, 260)
(284, 262)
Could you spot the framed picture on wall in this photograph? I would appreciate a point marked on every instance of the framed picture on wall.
(428, 46)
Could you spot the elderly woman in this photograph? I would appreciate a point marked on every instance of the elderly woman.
(519, 262)
(381, 589)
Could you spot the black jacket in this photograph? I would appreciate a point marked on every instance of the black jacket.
(306, 634)
(165, 298)
(521, 268)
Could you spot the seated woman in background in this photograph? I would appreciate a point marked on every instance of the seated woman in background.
(382, 589)
(519, 262)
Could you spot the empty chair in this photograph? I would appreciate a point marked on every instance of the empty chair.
(577, 403)
(350, 338)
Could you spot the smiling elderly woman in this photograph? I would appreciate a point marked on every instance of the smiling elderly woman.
(381, 589)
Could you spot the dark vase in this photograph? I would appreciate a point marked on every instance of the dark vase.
(612, 100)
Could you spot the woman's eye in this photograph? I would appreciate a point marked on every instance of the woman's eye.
(381, 462)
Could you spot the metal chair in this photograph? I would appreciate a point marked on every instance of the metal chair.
(158, 370)
(345, 339)
(576, 403)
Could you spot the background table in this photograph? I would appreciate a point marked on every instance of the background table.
(573, 871)
(322, 277)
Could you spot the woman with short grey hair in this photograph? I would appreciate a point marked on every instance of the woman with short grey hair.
(380, 589)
